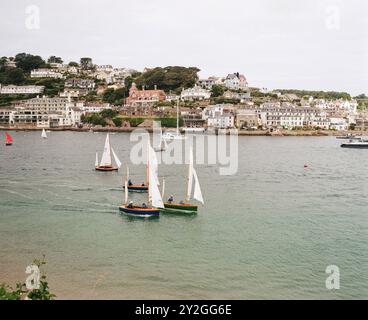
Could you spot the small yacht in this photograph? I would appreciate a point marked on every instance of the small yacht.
(362, 144)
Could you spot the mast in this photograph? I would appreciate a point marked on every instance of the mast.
(148, 173)
(190, 174)
(177, 117)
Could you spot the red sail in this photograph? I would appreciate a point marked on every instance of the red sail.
(8, 138)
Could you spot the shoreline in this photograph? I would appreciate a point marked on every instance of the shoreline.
(256, 133)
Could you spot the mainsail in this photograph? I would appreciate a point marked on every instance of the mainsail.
(106, 156)
(154, 192)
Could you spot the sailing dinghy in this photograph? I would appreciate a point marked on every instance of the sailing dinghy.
(154, 197)
(106, 160)
(43, 134)
(186, 207)
(8, 139)
(141, 188)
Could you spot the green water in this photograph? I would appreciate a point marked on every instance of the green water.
(268, 232)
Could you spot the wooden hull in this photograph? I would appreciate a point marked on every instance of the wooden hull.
(106, 169)
(140, 212)
(180, 208)
(138, 188)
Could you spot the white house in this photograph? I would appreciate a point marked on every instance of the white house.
(196, 93)
(21, 89)
(45, 73)
(236, 81)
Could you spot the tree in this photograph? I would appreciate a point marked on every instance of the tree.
(217, 91)
(54, 59)
(73, 64)
(28, 62)
(86, 63)
(14, 76)
(169, 78)
(114, 96)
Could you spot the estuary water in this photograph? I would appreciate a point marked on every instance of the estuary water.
(268, 232)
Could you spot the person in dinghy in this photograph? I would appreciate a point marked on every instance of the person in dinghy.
(106, 163)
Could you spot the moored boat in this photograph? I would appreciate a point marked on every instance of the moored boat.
(175, 135)
(355, 145)
(106, 160)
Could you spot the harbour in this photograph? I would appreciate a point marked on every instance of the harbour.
(267, 232)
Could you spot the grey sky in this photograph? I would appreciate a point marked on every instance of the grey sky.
(275, 43)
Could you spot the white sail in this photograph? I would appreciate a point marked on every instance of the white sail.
(154, 192)
(197, 188)
(106, 157)
(190, 174)
(126, 192)
(44, 135)
(152, 161)
(118, 163)
(153, 183)
(96, 162)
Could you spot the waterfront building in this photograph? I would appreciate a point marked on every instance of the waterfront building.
(45, 73)
(195, 93)
(246, 119)
(219, 116)
(45, 112)
(11, 89)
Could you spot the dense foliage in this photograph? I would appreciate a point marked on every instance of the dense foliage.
(21, 292)
(115, 96)
(329, 95)
(169, 78)
(217, 91)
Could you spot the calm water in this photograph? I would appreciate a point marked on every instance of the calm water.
(268, 232)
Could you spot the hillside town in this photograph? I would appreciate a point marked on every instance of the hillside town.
(58, 95)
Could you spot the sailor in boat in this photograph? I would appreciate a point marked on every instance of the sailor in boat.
(171, 199)
(130, 205)
(130, 183)
(144, 206)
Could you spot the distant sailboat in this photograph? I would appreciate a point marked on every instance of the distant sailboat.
(176, 135)
(8, 139)
(141, 188)
(154, 197)
(162, 146)
(186, 207)
(44, 135)
(106, 160)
